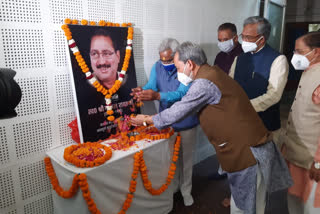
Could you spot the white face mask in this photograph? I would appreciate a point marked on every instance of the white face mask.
(183, 78)
(300, 62)
(226, 46)
(250, 46)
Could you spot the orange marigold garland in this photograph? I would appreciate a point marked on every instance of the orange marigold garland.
(84, 186)
(144, 175)
(87, 154)
(89, 76)
(55, 183)
(139, 133)
(133, 183)
(150, 133)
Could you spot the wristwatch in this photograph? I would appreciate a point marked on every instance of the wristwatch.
(317, 165)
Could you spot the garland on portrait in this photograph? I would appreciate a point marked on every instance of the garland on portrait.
(107, 93)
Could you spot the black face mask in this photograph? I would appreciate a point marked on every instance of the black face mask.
(10, 93)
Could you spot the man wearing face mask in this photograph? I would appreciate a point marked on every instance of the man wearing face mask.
(262, 72)
(229, 46)
(302, 138)
(163, 85)
(244, 146)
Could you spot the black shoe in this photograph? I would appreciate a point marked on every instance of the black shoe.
(217, 176)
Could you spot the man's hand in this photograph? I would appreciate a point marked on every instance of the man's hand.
(148, 95)
(316, 95)
(314, 173)
(135, 93)
(141, 120)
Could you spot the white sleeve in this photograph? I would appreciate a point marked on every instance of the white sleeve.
(277, 81)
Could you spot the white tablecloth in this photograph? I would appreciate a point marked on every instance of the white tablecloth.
(109, 183)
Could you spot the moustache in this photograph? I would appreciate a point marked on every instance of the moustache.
(103, 66)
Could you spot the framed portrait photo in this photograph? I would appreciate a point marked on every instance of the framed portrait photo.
(103, 50)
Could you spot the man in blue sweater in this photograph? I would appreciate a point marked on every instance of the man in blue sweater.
(163, 85)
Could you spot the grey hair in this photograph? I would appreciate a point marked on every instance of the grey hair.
(169, 43)
(264, 26)
(192, 51)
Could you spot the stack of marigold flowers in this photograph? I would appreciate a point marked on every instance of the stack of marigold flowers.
(55, 183)
(144, 175)
(72, 153)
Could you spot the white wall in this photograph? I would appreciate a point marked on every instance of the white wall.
(303, 11)
(32, 43)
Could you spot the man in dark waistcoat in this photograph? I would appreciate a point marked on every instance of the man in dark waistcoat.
(262, 72)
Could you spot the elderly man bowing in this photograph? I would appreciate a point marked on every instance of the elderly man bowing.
(243, 144)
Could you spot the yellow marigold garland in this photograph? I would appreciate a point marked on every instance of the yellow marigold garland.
(89, 76)
(70, 154)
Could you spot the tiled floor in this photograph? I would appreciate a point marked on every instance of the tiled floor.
(208, 194)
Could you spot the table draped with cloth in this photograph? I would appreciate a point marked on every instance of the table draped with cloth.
(109, 182)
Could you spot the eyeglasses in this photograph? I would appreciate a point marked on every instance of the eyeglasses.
(248, 37)
(104, 54)
(301, 51)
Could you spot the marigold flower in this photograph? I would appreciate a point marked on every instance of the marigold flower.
(67, 21)
(84, 22)
(102, 23)
(74, 22)
(111, 118)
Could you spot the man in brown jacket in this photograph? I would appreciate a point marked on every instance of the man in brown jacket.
(244, 146)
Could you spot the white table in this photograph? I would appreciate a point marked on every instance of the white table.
(109, 183)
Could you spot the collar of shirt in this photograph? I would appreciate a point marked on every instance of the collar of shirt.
(318, 63)
(259, 49)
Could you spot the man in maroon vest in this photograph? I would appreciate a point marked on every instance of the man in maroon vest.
(229, 46)
(244, 146)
